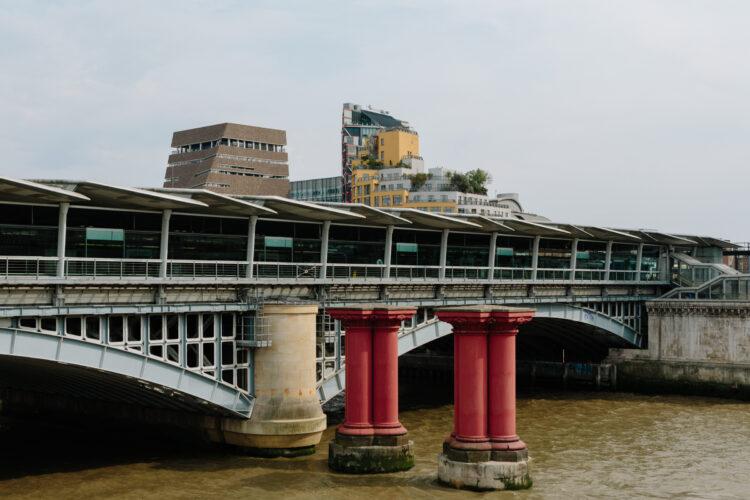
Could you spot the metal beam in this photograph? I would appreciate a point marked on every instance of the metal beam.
(573, 258)
(62, 226)
(608, 261)
(639, 262)
(250, 255)
(491, 260)
(164, 246)
(324, 248)
(535, 258)
(443, 252)
(388, 250)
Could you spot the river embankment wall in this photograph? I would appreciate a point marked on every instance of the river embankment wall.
(694, 347)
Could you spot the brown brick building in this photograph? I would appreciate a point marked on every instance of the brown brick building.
(230, 158)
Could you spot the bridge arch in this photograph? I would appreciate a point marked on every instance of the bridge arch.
(125, 373)
(609, 329)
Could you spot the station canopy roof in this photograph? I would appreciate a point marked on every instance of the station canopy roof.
(432, 220)
(287, 208)
(27, 191)
(106, 195)
(86, 193)
(373, 215)
(218, 203)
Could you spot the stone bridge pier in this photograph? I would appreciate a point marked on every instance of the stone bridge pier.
(484, 452)
(287, 419)
(371, 439)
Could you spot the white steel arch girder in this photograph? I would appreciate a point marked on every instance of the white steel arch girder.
(41, 346)
(590, 317)
(427, 332)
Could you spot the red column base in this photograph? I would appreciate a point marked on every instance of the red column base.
(480, 444)
(356, 430)
(389, 430)
(510, 443)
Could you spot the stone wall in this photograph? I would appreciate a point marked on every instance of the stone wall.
(695, 347)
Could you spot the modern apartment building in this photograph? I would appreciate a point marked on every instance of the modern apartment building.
(359, 125)
(395, 187)
(323, 189)
(230, 158)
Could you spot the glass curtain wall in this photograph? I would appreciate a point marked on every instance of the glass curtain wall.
(591, 260)
(624, 259)
(278, 241)
(554, 259)
(415, 248)
(27, 230)
(207, 238)
(650, 263)
(513, 257)
(468, 250)
(356, 245)
(113, 234)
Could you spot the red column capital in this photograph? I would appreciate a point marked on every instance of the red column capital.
(509, 321)
(384, 317)
(352, 316)
(466, 321)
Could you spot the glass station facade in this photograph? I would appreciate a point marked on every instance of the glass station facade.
(109, 234)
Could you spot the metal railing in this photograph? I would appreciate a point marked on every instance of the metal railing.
(81, 267)
(28, 266)
(687, 271)
(725, 287)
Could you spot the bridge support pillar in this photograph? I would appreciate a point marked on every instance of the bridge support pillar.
(484, 452)
(371, 439)
(287, 419)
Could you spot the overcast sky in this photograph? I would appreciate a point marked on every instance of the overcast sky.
(632, 114)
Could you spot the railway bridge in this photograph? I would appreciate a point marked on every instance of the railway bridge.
(196, 308)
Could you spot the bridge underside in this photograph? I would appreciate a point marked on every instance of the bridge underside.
(70, 388)
(548, 338)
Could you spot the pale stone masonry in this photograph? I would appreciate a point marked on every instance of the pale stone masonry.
(693, 346)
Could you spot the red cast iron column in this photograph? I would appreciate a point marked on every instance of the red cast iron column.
(358, 410)
(470, 378)
(386, 323)
(501, 421)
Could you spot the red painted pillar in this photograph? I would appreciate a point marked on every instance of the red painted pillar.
(501, 418)
(358, 396)
(386, 323)
(470, 377)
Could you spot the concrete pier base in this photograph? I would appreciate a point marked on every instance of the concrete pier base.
(485, 475)
(370, 454)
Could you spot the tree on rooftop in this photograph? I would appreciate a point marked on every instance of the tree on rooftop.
(418, 180)
(473, 181)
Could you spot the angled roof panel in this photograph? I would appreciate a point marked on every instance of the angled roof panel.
(432, 220)
(218, 203)
(105, 195)
(374, 215)
(288, 208)
(19, 190)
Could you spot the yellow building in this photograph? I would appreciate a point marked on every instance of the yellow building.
(364, 185)
(393, 145)
(444, 207)
(366, 190)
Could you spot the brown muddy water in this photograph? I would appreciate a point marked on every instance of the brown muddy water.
(583, 445)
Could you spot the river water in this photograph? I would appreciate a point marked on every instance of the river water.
(583, 445)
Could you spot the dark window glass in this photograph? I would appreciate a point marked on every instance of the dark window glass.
(513, 252)
(554, 254)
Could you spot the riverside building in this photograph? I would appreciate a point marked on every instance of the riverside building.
(359, 125)
(229, 158)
